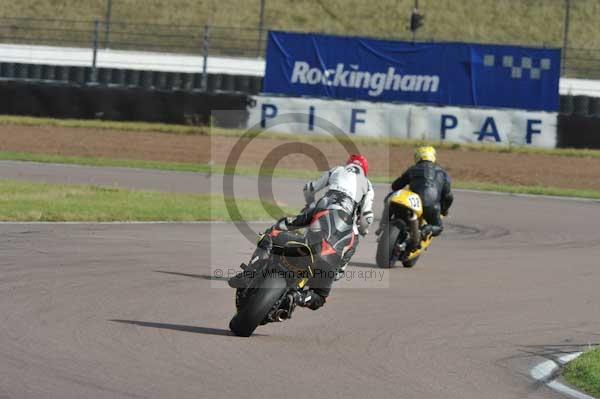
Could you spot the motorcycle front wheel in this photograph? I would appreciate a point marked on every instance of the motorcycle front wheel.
(266, 290)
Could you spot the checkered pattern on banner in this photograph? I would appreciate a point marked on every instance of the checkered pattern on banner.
(519, 68)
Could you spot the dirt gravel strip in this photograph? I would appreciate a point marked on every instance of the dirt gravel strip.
(492, 167)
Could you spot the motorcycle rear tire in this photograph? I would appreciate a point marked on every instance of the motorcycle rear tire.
(385, 247)
(267, 290)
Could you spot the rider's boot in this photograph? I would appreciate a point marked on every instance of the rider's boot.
(309, 299)
(430, 230)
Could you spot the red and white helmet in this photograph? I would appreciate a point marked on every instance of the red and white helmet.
(359, 160)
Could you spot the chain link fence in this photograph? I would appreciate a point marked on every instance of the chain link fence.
(201, 40)
(119, 35)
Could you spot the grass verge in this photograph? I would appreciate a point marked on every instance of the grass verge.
(531, 190)
(107, 162)
(103, 125)
(584, 373)
(21, 201)
(280, 172)
(212, 131)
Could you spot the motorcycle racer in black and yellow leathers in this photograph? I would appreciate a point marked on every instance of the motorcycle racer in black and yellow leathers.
(432, 183)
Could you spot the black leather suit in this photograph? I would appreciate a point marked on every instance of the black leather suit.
(330, 234)
(432, 183)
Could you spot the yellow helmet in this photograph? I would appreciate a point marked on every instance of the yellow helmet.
(424, 153)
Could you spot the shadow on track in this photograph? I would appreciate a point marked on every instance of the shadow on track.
(363, 264)
(549, 351)
(554, 351)
(178, 327)
(200, 276)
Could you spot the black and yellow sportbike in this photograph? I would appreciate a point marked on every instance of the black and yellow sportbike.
(267, 289)
(400, 238)
(285, 264)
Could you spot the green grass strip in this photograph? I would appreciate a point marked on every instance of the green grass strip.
(107, 162)
(212, 131)
(584, 373)
(23, 201)
(103, 125)
(531, 190)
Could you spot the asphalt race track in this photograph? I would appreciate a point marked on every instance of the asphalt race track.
(135, 310)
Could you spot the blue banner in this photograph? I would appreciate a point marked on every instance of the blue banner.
(459, 74)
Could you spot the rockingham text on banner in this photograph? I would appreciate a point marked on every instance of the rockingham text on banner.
(458, 74)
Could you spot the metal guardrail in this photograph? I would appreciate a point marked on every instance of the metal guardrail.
(234, 41)
(194, 40)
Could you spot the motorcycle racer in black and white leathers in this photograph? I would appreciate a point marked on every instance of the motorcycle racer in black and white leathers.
(333, 222)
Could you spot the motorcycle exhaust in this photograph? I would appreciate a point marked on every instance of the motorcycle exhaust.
(281, 315)
(415, 232)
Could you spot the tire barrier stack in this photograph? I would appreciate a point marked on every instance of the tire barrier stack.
(577, 131)
(121, 104)
(579, 122)
(171, 97)
(131, 78)
(580, 105)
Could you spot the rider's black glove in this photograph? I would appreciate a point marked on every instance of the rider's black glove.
(264, 240)
(364, 222)
(282, 224)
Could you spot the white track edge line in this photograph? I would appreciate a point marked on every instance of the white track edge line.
(544, 370)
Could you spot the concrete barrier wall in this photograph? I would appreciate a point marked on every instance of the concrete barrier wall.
(408, 121)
